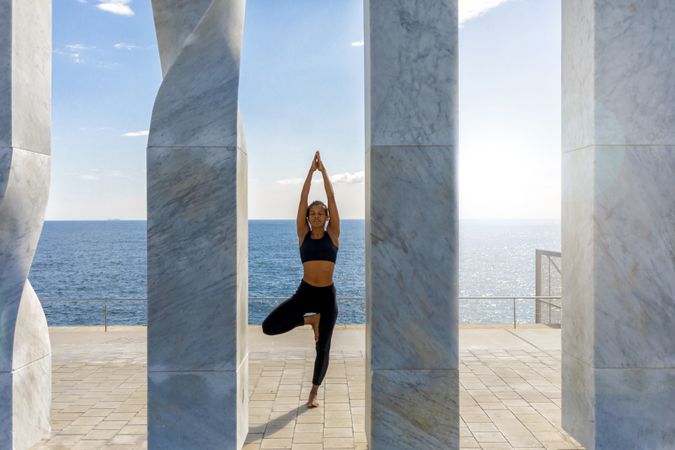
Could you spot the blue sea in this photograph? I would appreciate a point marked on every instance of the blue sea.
(96, 260)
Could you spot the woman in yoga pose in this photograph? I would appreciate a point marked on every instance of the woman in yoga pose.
(316, 293)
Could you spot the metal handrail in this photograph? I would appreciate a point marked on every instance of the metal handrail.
(92, 300)
(551, 304)
(538, 298)
(539, 255)
(284, 298)
(105, 302)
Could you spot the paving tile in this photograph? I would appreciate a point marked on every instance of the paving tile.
(468, 442)
(338, 433)
(307, 427)
(134, 429)
(338, 442)
(100, 434)
(120, 416)
(76, 429)
(481, 426)
(128, 439)
(111, 425)
(301, 437)
(276, 443)
(90, 445)
(484, 437)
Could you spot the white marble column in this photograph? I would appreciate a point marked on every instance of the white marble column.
(197, 231)
(412, 386)
(25, 149)
(618, 243)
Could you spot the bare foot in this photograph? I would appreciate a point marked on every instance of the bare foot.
(313, 320)
(313, 402)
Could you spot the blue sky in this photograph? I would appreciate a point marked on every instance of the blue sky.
(301, 88)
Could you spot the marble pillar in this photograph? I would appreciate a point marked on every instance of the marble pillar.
(412, 386)
(618, 222)
(25, 156)
(197, 231)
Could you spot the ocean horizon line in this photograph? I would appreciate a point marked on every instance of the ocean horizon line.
(343, 219)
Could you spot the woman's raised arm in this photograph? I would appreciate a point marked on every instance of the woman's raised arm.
(334, 222)
(301, 220)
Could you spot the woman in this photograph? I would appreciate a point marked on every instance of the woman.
(316, 293)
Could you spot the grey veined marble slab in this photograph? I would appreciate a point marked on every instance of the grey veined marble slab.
(193, 256)
(412, 393)
(623, 94)
(618, 224)
(25, 109)
(414, 409)
(411, 72)
(413, 251)
(204, 400)
(197, 231)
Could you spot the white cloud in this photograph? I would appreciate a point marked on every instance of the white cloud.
(357, 43)
(348, 178)
(119, 7)
(126, 46)
(340, 178)
(80, 54)
(136, 133)
(74, 52)
(88, 177)
(78, 47)
(471, 9)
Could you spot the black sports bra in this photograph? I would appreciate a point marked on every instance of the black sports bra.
(318, 249)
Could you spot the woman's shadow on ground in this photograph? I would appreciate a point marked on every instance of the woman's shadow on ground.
(279, 422)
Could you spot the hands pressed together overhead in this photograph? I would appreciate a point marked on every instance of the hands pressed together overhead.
(317, 164)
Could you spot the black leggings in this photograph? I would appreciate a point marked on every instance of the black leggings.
(290, 314)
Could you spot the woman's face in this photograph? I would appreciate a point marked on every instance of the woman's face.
(317, 216)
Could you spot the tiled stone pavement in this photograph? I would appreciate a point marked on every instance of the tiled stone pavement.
(510, 390)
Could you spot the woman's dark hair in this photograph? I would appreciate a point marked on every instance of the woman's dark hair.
(320, 203)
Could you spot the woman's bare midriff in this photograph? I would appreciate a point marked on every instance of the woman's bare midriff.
(318, 273)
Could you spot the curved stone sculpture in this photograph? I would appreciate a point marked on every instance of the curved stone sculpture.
(197, 231)
(25, 119)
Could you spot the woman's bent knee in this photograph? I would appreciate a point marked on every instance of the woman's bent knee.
(267, 328)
